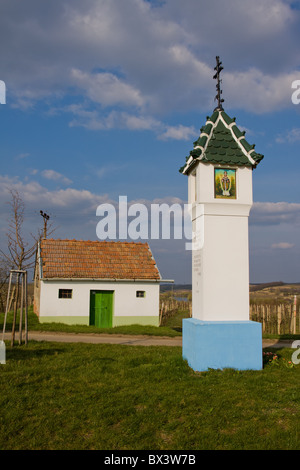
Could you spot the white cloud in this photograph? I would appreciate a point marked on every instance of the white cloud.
(134, 122)
(34, 193)
(275, 213)
(107, 89)
(268, 92)
(94, 120)
(72, 211)
(178, 133)
(290, 136)
(247, 32)
(55, 176)
(159, 59)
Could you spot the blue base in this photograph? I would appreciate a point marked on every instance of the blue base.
(222, 344)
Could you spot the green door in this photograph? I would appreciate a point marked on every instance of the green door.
(101, 308)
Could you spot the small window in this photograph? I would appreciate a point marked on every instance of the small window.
(141, 293)
(65, 293)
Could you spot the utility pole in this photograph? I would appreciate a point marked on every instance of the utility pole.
(46, 217)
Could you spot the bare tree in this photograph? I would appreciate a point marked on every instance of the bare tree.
(20, 255)
(4, 275)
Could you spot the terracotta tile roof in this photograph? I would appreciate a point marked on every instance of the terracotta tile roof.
(97, 260)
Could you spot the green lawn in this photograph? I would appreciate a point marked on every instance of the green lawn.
(172, 327)
(116, 397)
(35, 325)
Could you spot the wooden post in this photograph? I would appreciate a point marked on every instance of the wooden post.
(295, 313)
(15, 312)
(21, 275)
(279, 319)
(21, 309)
(7, 305)
(291, 319)
(26, 309)
(161, 313)
(12, 295)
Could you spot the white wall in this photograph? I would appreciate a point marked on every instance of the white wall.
(205, 189)
(125, 301)
(221, 270)
(221, 260)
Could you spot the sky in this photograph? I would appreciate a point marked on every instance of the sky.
(104, 98)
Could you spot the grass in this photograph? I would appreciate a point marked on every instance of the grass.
(58, 396)
(172, 327)
(35, 325)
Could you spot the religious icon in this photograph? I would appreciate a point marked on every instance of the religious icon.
(225, 183)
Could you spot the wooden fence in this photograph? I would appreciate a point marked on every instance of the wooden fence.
(170, 308)
(276, 318)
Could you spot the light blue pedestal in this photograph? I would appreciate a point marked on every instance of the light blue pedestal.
(222, 344)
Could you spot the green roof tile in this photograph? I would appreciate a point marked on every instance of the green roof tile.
(222, 145)
(226, 118)
(237, 132)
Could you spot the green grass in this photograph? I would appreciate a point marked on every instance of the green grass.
(35, 325)
(175, 321)
(114, 397)
(171, 328)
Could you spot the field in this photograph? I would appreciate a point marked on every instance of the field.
(57, 396)
(274, 292)
(81, 396)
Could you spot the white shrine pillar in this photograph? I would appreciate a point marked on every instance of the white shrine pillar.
(220, 257)
(219, 169)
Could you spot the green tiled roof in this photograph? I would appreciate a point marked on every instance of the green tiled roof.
(222, 142)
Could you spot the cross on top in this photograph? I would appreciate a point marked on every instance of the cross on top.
(218, 69)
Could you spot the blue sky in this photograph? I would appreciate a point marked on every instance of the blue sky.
(105, 98)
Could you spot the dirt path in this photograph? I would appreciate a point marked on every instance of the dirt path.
(132, 340)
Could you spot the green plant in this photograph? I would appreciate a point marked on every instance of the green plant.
(270, 358)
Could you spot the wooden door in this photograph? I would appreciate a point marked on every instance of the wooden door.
(101, 308)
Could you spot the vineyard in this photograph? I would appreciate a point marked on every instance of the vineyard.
(276, 306)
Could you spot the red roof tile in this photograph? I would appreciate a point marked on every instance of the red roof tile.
(97, 260)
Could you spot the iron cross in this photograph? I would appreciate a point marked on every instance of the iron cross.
(218, 69)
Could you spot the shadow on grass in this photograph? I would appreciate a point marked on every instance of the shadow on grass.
(38, 350)
(21, 352)
(177, 328)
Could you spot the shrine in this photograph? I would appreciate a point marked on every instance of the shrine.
(219, 169)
